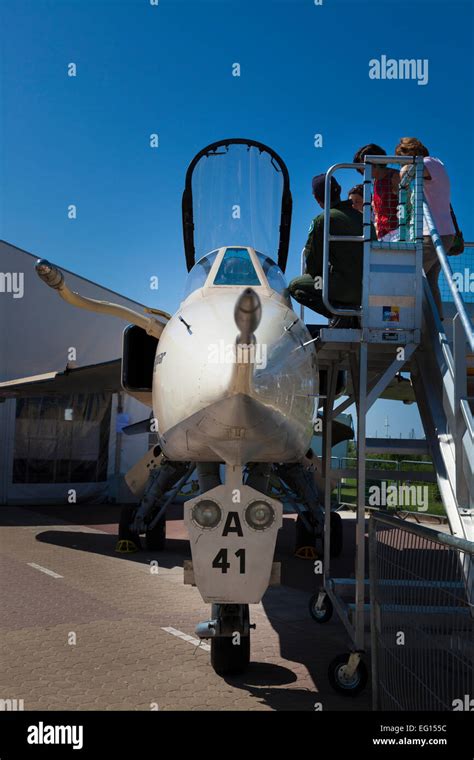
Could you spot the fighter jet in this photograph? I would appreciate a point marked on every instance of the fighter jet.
(232, 382)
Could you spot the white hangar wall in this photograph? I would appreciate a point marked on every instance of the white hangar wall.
(37, 329)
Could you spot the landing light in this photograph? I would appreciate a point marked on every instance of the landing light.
(206, 514)
(259, 515)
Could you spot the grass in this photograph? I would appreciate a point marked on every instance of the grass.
(435, 505)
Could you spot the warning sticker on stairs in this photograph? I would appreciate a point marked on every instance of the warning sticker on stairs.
(391, 313)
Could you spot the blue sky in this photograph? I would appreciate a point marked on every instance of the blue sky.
(168, 69)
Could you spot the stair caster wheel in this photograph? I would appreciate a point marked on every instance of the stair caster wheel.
(344, 682)
(323, 612)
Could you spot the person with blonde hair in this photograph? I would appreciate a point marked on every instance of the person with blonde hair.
(437, 192)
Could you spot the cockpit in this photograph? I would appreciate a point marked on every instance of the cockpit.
(236, 266)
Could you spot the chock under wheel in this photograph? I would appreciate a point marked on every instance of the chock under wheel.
(125, 546)
(306, 552)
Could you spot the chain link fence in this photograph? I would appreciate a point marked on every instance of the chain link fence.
(422, 617)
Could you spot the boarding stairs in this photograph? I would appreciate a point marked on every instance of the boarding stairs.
(400, 330)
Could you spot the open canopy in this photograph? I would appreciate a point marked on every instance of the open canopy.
(237, 193)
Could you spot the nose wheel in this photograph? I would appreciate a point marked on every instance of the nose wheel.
(230, 646)
(228, 658)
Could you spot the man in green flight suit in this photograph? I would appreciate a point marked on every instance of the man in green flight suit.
(345, 259)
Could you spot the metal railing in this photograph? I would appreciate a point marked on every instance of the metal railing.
(452, 363)
(446, 269)
(462, 267)
(422, 622)
(366, 237)
(328, 238)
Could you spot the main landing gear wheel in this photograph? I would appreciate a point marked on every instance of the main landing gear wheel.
(342, 682)
(310, 546)
(323, 613)
(128, 542)
(229, 658)
(156, 538)
(306, 546)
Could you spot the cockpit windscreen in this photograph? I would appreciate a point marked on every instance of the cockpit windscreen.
(237, 200)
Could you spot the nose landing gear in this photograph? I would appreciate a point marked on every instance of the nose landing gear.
(229, 633)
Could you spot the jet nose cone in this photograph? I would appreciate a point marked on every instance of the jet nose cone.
(247, 314)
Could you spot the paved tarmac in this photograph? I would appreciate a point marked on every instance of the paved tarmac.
(84, 628)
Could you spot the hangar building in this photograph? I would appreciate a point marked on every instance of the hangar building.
(50, 444)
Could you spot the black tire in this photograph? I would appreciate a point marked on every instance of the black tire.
(337, 536)
(325, 613)
(126, 518)
(156, 538)
(348, 688)
(304, 537)
(228, 658)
